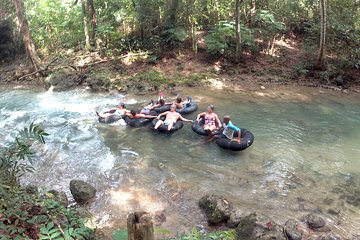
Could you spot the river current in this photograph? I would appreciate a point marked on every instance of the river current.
(305, 157)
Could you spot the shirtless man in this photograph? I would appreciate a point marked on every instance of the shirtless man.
(170, 118)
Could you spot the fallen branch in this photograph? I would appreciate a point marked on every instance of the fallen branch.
(39, 70)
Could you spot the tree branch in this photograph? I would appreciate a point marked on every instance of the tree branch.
(39, 70)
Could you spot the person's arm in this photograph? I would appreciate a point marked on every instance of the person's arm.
(236, 129)
(140, 115)
(185, 119)
(200, 115)
(239, 136)
(161, 114)
(219, 125)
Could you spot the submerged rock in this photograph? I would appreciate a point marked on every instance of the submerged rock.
(217, 209)
(291, 231)
(314, 221)
(258, 226)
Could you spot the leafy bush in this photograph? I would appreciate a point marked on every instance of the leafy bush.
(173, 36)
(31, 216)
(221, 40)
(153, 77)
(16, 158)
(216, 40)
(218, 235)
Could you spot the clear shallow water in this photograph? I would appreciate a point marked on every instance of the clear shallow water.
(305, 157)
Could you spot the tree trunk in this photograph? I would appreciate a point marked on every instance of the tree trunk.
(24, 30)
(252, 13)
(93, 23)
(86, 31)
(237, 29)
(321, 55)
(172, 14)
(140, 226)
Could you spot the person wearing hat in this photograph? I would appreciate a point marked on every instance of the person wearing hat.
(211, 120)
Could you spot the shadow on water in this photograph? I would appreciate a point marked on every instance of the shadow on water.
(304, 158)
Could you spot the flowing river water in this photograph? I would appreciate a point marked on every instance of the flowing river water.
(305, 157)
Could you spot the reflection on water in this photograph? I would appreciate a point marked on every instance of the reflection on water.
(304, 158)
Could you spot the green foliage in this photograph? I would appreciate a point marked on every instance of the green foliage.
(300, 70)
(267, 21)
(218, 235)
(120, 234)
(152, 77)
(55, 23)
(16, 158)
(25, 216)
(172, 36)
(216, 40)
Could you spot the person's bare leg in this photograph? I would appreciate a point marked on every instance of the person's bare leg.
(158, 124)
(170, 126)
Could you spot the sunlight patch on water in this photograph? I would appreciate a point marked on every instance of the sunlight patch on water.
(135, 198)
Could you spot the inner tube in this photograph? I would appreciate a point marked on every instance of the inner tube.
(162, 109)
(247, 139)
(187, 110)
(198, 128)
(111, 119)
(139, 122)
(164, 128)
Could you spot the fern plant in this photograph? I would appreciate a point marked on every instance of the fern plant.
(16, 157)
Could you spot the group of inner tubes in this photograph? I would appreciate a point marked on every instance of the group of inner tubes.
(167, 117)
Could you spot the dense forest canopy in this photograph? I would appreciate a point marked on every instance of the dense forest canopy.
(114, 27)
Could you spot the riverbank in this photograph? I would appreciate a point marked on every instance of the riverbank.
(141, 73)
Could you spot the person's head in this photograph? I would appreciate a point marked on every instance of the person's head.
(188, 98)
(133, 112)
(211, 108)
(226, 119)
(162, 102)
(172, 107)
(122, 105)
(178, 100)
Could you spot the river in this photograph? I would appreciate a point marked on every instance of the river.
(305, 157)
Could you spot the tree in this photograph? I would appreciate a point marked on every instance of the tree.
(86, 31)
(237, 29)
(25, 32)
(93, 22)
(321, 55)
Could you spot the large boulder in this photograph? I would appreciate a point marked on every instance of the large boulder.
(216, 208)
(82, 191)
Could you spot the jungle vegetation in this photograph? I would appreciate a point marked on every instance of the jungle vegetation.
(233, 30)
